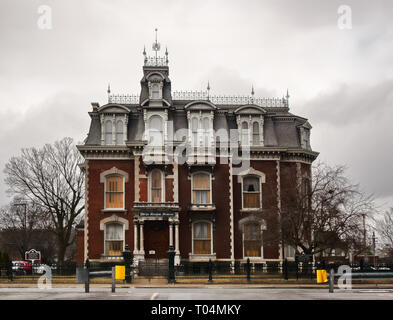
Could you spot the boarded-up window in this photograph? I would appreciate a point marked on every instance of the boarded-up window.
(201, 188)
(114, 192)
(156, 186)
(251, 192)
(252, 240)
(114, 236)
(202, 238)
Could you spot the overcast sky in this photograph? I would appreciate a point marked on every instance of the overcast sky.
(341, 80)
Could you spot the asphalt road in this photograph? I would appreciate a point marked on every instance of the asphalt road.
(193, 294)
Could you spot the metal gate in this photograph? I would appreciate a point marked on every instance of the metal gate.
(153, 267)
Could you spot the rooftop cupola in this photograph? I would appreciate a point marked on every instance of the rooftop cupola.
(155, 84)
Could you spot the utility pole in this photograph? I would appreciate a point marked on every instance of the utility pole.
(374, 247)
(364, 234)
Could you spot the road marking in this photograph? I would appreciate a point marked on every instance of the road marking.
(374, 291)
(154, 296)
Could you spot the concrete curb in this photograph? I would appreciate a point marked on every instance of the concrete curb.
(205, 286)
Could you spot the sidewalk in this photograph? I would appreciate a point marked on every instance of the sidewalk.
(204, 286)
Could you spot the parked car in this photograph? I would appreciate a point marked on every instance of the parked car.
(21, 267)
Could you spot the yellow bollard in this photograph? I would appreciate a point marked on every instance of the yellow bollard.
(321, 276)
(120, 272)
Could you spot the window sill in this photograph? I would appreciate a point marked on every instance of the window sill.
(202, 257)
(245, 210)
(125, 211)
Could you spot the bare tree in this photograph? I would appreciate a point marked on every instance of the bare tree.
(51, 178)
(19, 222)
(325, 213)
(384, 228)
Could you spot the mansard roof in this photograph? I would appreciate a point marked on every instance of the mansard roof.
(280, 126)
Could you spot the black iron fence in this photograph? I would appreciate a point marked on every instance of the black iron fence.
(190, 270)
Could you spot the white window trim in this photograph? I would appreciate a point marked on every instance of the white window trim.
(114, 119)
(253, 258)
(162, 185)
(211, 237)
(260, 191)
(192, 186)
(124, 192)
(123, 232)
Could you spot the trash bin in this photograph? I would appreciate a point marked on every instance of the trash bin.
(321, 276)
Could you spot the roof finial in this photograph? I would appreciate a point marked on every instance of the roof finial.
(109, 91)
(252, 94)
(287, 97)
(156, 45)
(166, 54)
(208, 90)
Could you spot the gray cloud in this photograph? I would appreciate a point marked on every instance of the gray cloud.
(340, 80)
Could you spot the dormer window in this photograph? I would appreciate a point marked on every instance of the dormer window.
(255, 134)
(119, 132)
(194, 129)
(108, 132)
(155, 91)
(206, 132)
(245, 136)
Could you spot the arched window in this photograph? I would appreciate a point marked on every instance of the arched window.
(119, 132)
(156, 186)
(114, 192)
(194, 129)
(201, 188)
(245, 140)
(155, 91)
(202, 238)
(108, 132)
(255, 133)
(251, 192)
(114, 239)
(206, 131)
(252, 239)
(155, 131)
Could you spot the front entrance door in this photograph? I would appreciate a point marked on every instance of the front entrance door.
(156, 236)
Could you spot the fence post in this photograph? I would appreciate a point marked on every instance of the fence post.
(210, 269)
(248, 268)
(113, 279)
(297, 270)
(87, 276)
(127, 263)
(171, 265)
(9, 271)
(285, 268)
(331, 281)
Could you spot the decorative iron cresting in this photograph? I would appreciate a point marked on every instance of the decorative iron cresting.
(203, 95)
